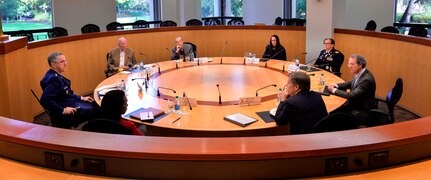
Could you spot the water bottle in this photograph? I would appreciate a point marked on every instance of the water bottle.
(297, 62)
(177, 104)
(322, 82)
(123, 85)
(279, 96)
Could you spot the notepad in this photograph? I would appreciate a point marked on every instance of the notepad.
(240, 119)
(144, 114)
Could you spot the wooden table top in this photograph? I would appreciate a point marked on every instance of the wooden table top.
(199, 82)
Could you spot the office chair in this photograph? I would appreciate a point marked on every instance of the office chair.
(418, 31)
(168, 23)
(278, 21)
(338, 121)
(212, 22)
(113, 26)
(193, 46)
(57, 32)
(90, 28)
(140, 24)
(235, 22)
(106, 126)
(390, 29)
(371, 26)
(379, 117)
(194, 22)
(51, 117)
(294, 22)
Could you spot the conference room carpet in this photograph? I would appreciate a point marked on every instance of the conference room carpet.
(401, 115)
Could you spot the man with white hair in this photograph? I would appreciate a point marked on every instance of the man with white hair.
(121, 58)
(181, 50)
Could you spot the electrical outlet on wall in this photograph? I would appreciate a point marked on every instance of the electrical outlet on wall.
(336, 165)
(54, 160)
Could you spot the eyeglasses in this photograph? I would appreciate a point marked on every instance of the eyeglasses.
(326, 43)
(62, 61)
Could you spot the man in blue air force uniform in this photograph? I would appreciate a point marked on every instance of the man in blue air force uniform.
(58, 98)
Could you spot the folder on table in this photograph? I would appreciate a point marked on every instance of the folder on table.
(240, 119)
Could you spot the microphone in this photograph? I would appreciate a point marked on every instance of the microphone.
(158, 67)
(219, 94)
(176, 63)
(130, 65)
(275, 55)
(275, 85)
(158, 90)
(188, 102)
(222, 53)
(296, 57)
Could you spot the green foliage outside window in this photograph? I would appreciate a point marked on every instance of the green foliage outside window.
(25, 14)
(133, 10)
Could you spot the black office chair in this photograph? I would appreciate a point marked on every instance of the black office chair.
(51, 117)
(194, 22)
(107, 72)
(140, 24)
(418, 31)
(212, 22)
(193, 46)
(57, 32)
(22, 33)
(390, 29)
(113, 26)
(295, 22)
(278, 21)
(106, 126)
(371, 26)
(336, 67)
(235, 22)
(168, 23)
(379, 117)
(90, 28)
(335, 122)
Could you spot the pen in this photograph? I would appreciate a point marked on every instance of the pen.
(176, 120)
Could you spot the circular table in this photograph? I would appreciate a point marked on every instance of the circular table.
(199, 83)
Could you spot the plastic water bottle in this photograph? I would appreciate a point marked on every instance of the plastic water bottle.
(177, 104)
(322, 82)
(123, 85)
(297, 62)
(279, 96)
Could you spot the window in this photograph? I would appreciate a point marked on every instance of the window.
(294, 9)
(413, 11)
(129, 11)
(26, 14)
(212, 8)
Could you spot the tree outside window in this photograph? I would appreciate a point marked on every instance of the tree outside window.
(132, 10)
(26, 14)
(413, 11)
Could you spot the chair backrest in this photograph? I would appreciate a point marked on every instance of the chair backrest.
(278, 21)
(90, 28)
(22, 33)
(113, 26)
(168, 23)
(212, 22)
(235, 22)
(418, 31)
(139, 24)
(57, 32)
(51, 116)
(193, 46)
(390, 29)
(335, 122)
(106, 126)
(371, 26)
(194, 22)
(394, 96)
(295, 22)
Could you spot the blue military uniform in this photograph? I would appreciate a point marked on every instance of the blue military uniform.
(57, 94)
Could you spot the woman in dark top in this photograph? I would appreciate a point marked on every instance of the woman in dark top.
(114, 104)
(274, 50)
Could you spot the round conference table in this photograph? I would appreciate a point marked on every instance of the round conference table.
(199, 83)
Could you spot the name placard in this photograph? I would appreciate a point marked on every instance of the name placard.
(248, 101)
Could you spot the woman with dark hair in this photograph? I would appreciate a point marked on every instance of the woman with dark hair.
(114, 104)
(274, 50)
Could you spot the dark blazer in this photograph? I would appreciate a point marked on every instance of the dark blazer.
(272, 52)
(302, 111)
(187, 50)
(114, 59)
(57, 93)
(361, 95)
(331, 61)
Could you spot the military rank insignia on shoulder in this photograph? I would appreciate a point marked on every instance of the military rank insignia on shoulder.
(336, 52)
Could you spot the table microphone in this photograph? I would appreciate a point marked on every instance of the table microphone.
(188, 102)
(219, 94)
(176, 63)
(158, 90)
(275, 85)
(158, 67)
(274, 55)
(222, 53)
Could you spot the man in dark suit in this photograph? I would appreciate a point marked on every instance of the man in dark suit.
(181, 50)
(360, 98)
(121, 58)
(299, 106)
(58, 98)
(330, 59)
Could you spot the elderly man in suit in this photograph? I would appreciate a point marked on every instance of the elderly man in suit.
(121, 58)
(58, 98)
(181, 50)
(299, 106)
(361, 97)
